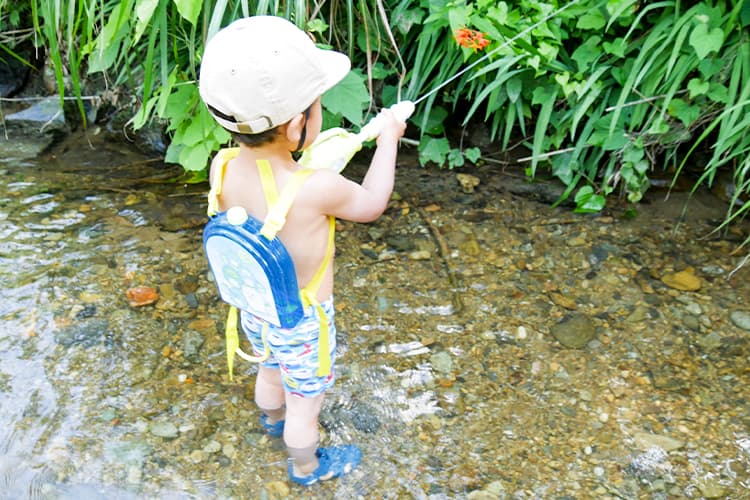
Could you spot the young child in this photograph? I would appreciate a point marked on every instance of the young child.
(262, 78)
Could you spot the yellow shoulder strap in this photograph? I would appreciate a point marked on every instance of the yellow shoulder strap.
(309, 298)
(276, 217)
(217, 178)
(268, 182)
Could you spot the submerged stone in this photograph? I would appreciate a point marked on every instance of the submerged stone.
(574, 331)
(683, 280)
(645, 441)
(741, 319)
(166, 430)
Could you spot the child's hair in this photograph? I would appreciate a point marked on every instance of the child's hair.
(256, 140)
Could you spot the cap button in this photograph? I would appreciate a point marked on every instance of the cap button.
(236, 216)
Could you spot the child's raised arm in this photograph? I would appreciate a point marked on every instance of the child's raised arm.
(348, 200)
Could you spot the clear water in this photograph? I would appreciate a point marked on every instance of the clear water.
(449, 377)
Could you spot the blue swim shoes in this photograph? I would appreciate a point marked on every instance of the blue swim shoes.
(333, 461)
(275, 429)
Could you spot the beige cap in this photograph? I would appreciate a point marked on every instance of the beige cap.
(258, 72)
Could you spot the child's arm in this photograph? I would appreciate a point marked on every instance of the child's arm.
(348, 200)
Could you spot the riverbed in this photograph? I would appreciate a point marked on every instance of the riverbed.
(490, 345)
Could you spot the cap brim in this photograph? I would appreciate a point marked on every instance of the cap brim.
(335, 65)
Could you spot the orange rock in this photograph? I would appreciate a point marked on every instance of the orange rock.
(141, 296)
(683, 280)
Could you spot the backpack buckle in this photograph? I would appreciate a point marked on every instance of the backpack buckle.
(272, 225)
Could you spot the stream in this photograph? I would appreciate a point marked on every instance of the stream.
(490, 346)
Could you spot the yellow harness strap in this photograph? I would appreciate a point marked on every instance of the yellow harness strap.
(279, 206)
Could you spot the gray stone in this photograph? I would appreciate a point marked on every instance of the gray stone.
(86, 333)
(166, 430)
(43, 116)
(574, 331)
(442, 362)
(741, 319)
(645, 441)
(192, 342)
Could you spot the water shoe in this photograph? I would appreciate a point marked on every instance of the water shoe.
(274, 430)
(334, 461)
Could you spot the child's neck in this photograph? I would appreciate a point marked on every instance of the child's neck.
(279, 155)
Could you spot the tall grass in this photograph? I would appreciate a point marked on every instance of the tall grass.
(605, 93)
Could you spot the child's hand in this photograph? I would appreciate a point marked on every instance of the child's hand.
(392, 128)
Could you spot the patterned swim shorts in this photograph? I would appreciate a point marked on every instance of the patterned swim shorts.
(295, 350)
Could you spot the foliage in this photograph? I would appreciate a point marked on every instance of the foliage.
(604, 93)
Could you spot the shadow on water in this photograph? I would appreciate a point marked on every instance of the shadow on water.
(490, 346)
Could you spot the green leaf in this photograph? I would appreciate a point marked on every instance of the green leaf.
(616, 47)
(592, 20)
(348, 98)
(718, 93)
(432, 149)
(189, 9)
(513, 88)
(587, 53)
(499, 13)
(405, 19)
(473, 154)
(144, 9)
(317, 26)
(588, 201)
(696, 86)
(704, 41)
(562, 168)
(455, 158)
(684, 112)
(195, 157)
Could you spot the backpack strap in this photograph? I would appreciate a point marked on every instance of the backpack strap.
(217, 178)
(278, 206)
(309, 298)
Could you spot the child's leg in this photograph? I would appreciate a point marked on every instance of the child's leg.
(301, 432)
(269, 393)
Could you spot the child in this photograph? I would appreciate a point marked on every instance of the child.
(262, 78)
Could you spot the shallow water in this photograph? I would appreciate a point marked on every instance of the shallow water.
(451, 375)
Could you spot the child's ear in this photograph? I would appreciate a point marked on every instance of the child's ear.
(294, 128)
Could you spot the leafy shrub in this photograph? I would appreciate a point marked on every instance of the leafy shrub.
(604, 93)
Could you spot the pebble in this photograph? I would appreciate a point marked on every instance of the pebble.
(646, 441)
(683, 280)
(741, 319)
(574, 332)
(521, 333)
(166, 430)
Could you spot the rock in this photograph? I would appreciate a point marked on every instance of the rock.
(86, 333)
(710, 486)
(420, 255)
(44, 116)
(166, 430)
(741, 319)
(683, 280)
(141, 296)
(441, 362)
(645, 441)
(192, 342)
(364, 418)
(468, 182)
(574, 331)
(640, 313)
(401, 243)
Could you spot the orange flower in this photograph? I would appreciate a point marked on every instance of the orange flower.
(471, 39)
